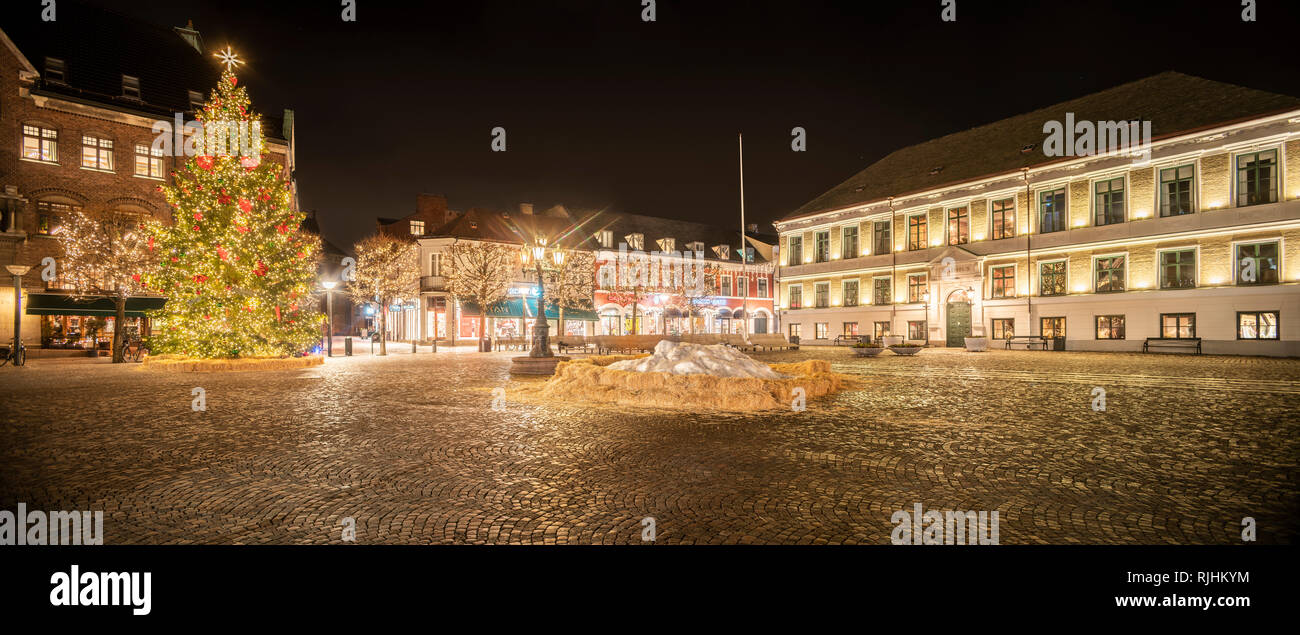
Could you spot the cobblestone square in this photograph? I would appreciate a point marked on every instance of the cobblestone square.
(411, 448)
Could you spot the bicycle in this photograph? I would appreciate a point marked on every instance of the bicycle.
(135, 351)
(16, 355)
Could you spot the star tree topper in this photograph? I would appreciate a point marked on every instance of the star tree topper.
(229, 58)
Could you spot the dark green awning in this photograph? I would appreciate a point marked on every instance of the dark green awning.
(63, 304)
(516, 308)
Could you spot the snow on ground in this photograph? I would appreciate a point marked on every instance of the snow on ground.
(680, 358)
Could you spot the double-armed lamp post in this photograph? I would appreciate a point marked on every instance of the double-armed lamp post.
(536, 255)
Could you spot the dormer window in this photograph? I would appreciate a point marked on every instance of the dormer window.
(635, 241)
(55, 70)
(196, 100)
(417, 228)
(130, 87)
(695, 245)
(723, 252)
(606, 238)
(667, 244)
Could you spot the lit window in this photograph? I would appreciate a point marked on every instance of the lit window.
(1004, 328)
(48, 215)
(822, 330)
(148, 161)
(196, 100)
(916, 330)
(1051, 278)
(1109, 274)
(1051, 205)
(850, 329)
(695, 246)
(723, 252)
(417, 228)
(958, 226)
(130, 87)
(667, 244)
(795, 331)
(1110, 327)
(1257, 325)
(1004, 281)
(916, 287)
(1004, 218)
(1177, 326)
(916, 235)
(40, 143)
(96, 153)
(635, 241)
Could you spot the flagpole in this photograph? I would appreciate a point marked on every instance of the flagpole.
(744, 259)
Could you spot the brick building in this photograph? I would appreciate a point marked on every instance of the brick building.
(1196, 235)
(79, 98)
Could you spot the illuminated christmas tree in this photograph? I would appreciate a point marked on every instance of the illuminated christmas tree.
(237, 271)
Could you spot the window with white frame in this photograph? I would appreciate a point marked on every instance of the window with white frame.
(796, 296)
(417, 228)
(40, 143)
(742, 286)
(635, 241)
(850, 290)
(1003, 281)
(667, 244)
(1257, 263)
(1178, 190)
(1003, 218)
(762, 287)
(148, 161)
(1109, 203)
(1177, 268)
(1109, 274)
(1257, 178)
(96, 153)
(849, 242)
(435, 264)
(724, 287)
(822, 294)
(606, 238)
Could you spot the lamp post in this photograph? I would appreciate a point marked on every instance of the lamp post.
(536, 255)
(329, 315)
(925, 297)
(18, 271)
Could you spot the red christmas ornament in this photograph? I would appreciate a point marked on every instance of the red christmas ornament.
(221, 253)
(282, 228)
(242, 229)
(135, 276)
(205, 162)
(233, 80)
(198, 215)
(260, 269)
(245, 205)
(195, 228)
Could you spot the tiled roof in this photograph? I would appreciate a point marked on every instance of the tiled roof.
(98, 46)
(1174, 103)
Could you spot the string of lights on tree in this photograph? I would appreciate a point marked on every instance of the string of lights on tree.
(237, 271)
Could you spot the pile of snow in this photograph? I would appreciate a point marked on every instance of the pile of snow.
(679, 358)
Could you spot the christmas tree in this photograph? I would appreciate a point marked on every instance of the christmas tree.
(237, 271)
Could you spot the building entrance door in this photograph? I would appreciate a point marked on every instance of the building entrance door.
(958, 323)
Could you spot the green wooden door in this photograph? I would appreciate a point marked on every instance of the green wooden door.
(958, 323)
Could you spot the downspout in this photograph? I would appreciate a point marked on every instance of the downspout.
(893, 269)
(1029, 261)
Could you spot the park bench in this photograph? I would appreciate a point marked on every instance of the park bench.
(1029, 341)
(846, 340)
(1191, 343)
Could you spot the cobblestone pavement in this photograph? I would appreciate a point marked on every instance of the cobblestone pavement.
(410, 447)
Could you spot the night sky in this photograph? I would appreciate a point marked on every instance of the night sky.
(604, 110)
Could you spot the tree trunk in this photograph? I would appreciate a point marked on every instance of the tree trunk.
(119, 331)
(383, 328)
(634, 328)
(482, 327)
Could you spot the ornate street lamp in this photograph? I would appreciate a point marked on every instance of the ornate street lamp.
(536, 255)
(16, 353)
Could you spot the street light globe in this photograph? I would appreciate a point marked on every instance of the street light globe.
(17, 270)
(329, 284)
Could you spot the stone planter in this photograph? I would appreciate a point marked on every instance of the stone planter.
(906, 350)
(977, 344)
(535, 365)
(867, 351)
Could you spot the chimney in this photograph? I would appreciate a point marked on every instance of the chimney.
(190, 35)
(526, 209)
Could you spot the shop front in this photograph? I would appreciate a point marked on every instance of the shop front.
(88, 323)
(516, 318)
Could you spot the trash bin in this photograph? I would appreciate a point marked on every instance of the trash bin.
(414, 347)
(347, 346)
(433, 344)
(1058, 343)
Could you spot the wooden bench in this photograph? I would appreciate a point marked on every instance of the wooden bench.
(1193, 343)
(847, 340)
(1030, 341)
